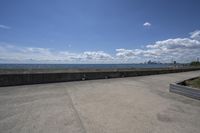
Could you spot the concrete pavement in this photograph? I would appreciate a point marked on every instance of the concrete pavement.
(123, 105)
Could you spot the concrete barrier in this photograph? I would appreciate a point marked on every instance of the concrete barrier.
(10, 79)
(184, 90)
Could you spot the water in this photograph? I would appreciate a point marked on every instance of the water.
(79, 66)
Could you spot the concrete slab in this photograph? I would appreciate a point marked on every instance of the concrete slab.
(37, 109)
(123, 105)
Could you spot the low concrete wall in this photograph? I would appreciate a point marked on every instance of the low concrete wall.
(185, 90)
(37, 78)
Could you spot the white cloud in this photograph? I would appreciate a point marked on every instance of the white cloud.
(186, 43)
(31, 54)
(96, 55)
(147, 24)
(180, 49)
(4, 27)
(125, 53)
(195, 35)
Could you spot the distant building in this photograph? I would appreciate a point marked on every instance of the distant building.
(152, 62)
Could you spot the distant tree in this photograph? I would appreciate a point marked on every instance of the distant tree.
(195, 63)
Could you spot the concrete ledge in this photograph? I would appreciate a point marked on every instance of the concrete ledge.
(11, 79)
(184, 90)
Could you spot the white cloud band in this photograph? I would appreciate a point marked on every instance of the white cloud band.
(10, 53)
(179, 49)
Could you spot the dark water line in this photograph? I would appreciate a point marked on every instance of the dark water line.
(79, 66)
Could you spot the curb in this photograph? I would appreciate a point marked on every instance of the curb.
(184, 90)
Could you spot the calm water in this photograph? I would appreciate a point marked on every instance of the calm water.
(80, 66)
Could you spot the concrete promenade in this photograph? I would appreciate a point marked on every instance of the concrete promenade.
(122, 105)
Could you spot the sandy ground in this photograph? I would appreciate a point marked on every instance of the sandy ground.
(123, 105)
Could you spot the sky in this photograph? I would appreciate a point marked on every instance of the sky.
(99, 31)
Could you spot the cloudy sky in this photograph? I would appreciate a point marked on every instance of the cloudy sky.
(99, 31)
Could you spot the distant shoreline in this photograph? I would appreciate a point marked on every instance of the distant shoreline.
(84, 70)
(80, 66)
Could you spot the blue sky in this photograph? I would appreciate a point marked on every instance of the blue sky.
(98, 31)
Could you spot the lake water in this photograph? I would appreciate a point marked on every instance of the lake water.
(79, 66)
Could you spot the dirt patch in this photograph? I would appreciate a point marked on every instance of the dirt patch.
(195, 83)
(164, 118)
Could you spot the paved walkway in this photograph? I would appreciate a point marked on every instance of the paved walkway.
(124, 105)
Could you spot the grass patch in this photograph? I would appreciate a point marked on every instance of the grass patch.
(193, 83)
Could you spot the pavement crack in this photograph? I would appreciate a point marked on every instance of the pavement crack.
(76, 113)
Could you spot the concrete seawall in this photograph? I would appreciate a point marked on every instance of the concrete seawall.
(11, 79)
